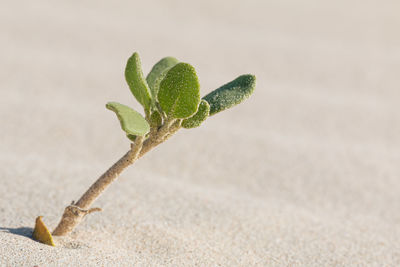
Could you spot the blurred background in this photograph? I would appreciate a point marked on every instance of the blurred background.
(345, 53)
(320, 134)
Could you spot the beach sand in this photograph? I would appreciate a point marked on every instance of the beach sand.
(304, 173)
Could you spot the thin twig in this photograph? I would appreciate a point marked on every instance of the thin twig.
(74, 213)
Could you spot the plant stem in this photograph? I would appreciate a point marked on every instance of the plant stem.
(74, 213)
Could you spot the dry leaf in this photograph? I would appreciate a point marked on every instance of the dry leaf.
(41, 233)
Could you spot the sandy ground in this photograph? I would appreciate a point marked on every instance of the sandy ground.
(305, 173)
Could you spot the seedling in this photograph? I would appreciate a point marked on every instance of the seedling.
(170, 96)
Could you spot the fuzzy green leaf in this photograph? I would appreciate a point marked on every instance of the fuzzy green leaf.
(231, 94)
(156, 85)
(179, 93)
(155, 119)
(157, 72)
(197, 119)
(135, 79)
(132, 122)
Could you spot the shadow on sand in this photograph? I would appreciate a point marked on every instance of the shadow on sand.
(22, 231)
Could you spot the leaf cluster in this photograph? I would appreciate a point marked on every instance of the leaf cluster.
(170, 96)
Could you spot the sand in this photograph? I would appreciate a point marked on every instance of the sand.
(304, 173)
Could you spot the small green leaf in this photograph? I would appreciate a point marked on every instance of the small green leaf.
(157, 72)
(157, 82)
(231, 94)
(131, 137)
(132, 122)
(179, 93)
(197, 119)
(155, 119)
(137, 83)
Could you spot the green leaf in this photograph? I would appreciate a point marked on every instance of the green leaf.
(135, 79)
(155, 119)
(157, 72)
(231, 94)
(179, 93)
(131, 137)
(197, 119)
(132, 122)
